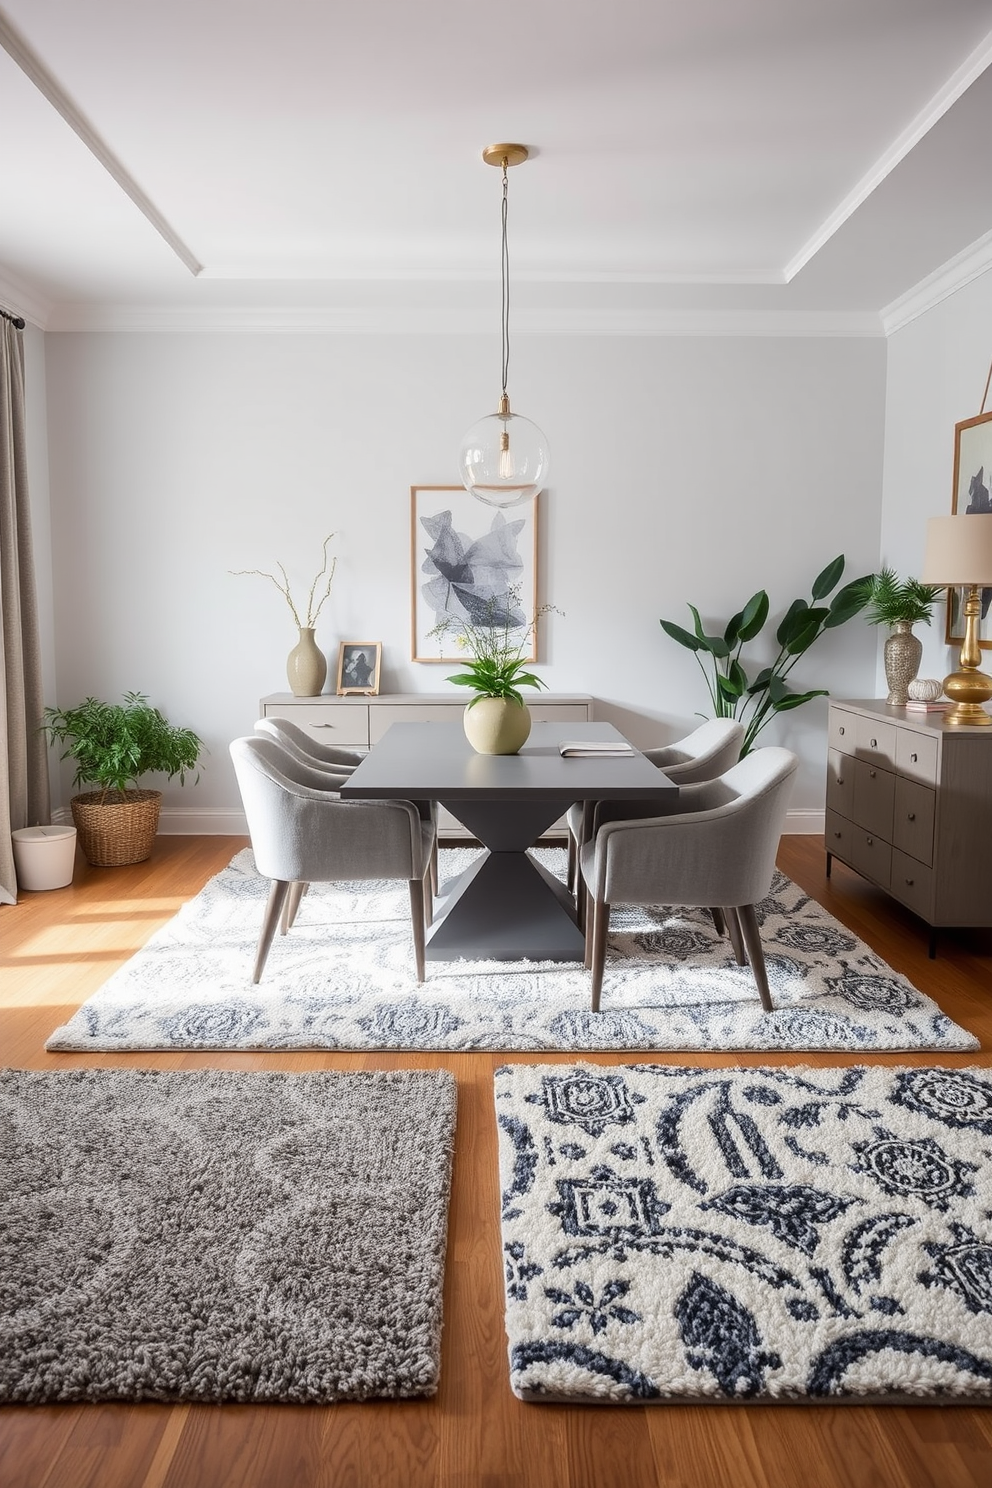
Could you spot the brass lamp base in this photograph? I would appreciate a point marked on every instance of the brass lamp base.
(968, 691)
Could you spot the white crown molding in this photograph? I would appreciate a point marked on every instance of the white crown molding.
(972, 67)
(953, 275)
(324, 320)
(33, 68)
(20, 300)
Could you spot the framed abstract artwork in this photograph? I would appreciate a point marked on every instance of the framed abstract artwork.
(970, 496)
(470, 564)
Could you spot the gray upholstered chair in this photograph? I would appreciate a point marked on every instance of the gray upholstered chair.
(297, 740)
(302, 832)
(338, 760)
(716, 847)
(701, 755)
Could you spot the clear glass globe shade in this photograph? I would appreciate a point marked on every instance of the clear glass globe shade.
(504, 459)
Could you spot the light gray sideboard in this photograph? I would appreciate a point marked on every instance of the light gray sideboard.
(909, 806)
(359, 722)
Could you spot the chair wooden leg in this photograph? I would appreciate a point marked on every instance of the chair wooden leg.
(291, 906)
(734, 931)
(752, 939)
(417, 915)
(273, 910)
(720, 924)
(596, 946)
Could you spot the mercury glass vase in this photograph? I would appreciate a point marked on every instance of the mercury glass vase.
(902, 655)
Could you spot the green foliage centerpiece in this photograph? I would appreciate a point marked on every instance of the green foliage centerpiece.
(900, 604)
(497, 720)
(112, 746)
(756, 700)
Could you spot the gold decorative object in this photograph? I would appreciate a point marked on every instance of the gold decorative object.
(959, 552)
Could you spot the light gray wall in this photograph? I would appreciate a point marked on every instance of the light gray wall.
(683, 469)
(938, 365)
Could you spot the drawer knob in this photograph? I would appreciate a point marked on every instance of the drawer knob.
(872, 774)
(840, 780)
(871, 841)
(874, 743)
(842, 731)
(909, 883)
(911, 815)
(836, 834)
(322, 725)
(914, 758)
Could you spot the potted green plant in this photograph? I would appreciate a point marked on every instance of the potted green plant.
(900, 604)
(496, 720)
(112, 746)
(755, 700)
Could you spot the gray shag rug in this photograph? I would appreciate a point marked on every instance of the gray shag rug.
(344, 979)
(219, 1235)
(723, 1235)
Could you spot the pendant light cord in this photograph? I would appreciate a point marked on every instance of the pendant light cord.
(505, 284)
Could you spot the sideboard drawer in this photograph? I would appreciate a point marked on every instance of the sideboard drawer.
(913, 818)
(330, 722)
(558, 712)
(872, 857)
(876, 741)
(916, 756)
(874, 793)
(912, 884)
(842, 730)
(840, 782)
(386, 714)
(838, 836)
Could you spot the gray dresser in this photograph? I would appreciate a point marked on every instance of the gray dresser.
(909, 806)
(359, 722)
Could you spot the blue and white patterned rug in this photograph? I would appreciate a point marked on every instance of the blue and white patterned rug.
(766, 1234)
(344, 979)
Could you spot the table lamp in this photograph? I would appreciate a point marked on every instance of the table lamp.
(959, 552)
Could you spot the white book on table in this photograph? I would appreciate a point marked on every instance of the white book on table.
(590, 748)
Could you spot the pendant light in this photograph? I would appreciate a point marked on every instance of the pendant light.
(504, 458)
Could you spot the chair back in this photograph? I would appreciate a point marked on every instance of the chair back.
(298, 741)
(705, 753)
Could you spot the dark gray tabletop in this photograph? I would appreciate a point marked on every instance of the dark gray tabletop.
(435, 761)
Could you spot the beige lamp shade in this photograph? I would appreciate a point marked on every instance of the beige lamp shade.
(958, 551)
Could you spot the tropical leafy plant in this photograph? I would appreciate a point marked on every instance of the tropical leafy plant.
(495, 666)
(891, 599)
(754, 701)
(113, 744)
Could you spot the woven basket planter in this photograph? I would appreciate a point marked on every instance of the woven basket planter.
(114, 833)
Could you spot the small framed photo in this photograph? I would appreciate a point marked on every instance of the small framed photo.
(471, 564)
(972, 485)
(358, 667)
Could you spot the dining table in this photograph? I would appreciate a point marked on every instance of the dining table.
(506, 905)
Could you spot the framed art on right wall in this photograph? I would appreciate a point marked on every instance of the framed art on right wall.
(970, 496)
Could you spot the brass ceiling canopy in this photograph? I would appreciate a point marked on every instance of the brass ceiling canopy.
(505, 154)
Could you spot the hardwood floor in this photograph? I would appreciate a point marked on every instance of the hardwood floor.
(56, 948)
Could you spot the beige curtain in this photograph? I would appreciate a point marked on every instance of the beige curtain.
(24, 798)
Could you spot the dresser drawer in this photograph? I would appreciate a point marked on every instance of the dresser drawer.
(840, 783)
(838, 836)
(913, 818)
(871, 856)
(842, 730)
(386, 714)
(916, 756)
(558, 712)
(876, 741)
(911, 882)
(874, 794)
(330, 722)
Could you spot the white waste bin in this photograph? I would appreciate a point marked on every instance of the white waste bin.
(44, 856)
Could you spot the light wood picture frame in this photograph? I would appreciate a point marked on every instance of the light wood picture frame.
(971, 495)
(468, 560)
(359, 664)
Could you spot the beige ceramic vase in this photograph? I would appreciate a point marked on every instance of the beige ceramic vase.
(306, 666)
(496, 725)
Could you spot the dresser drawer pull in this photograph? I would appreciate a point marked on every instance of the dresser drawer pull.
(910, 882)
(323, 725)
(874, 743)
(836, 834)
(872, 774)
(914, 758)
(842, 731)
(911, 816)
(840, 780)
(870, 841)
